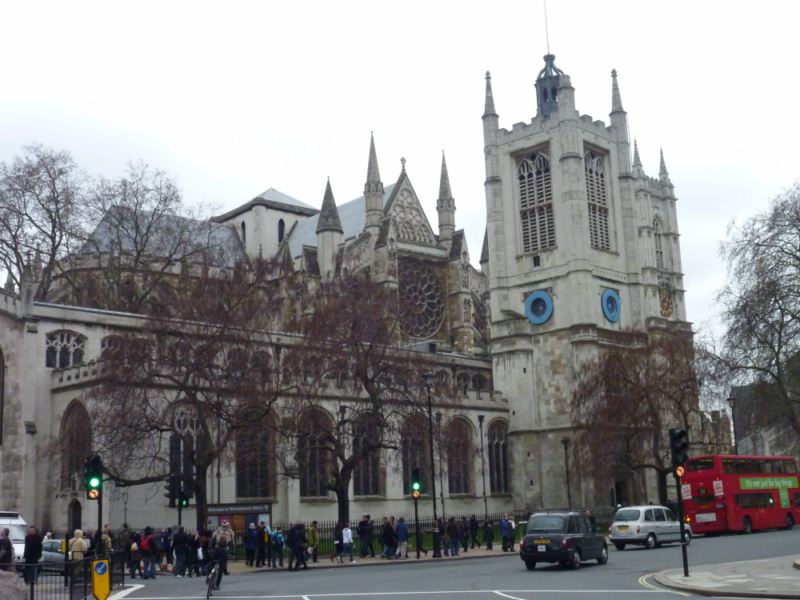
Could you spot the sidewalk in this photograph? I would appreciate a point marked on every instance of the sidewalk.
(325, 561)
(777, 577)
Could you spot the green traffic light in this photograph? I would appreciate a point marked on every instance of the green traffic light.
(94, 482)
(416, 486)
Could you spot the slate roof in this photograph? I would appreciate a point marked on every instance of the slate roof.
(328, 219)
(352, 216)
(272, 198)
(485, 247)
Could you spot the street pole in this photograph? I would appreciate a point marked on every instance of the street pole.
(180, 509)
(683, 526)
(732, 403)
(483, 468)
(436, 541)
(441, 470)
(565, 442)
(416, 524)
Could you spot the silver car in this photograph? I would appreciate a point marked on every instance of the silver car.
(648, 526)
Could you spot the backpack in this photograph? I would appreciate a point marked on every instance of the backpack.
(278, 538)
(145, 546)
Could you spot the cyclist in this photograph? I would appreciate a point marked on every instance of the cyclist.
(219, 555)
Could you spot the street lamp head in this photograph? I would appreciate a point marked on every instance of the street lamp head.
(428, 378)
(480, 419)
(565, 441)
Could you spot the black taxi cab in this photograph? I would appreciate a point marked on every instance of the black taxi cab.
(567, 538)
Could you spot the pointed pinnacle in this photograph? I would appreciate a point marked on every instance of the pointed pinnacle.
(373, 173)
(616, 99)
(637, 162)
(329, 214)
(489, 108)
(444, 182)
(662, 170)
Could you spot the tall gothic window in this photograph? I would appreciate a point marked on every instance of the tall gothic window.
(498, 457)
(64, 349)
(281, 230)
(76, 445)
(367, 474)
(244, 233)
(314, 455)
(597, 197)
(536, 203)
(415, 449)
(658, 241)
(254, 460)
(459, 457)
(2, 393)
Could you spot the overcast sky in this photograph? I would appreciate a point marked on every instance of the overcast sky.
(233, 98)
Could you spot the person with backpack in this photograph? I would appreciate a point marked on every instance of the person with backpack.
(148, 549)
(134, 556)
(276, 547)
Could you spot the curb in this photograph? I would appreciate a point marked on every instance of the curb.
(409, 561)
(663, 579)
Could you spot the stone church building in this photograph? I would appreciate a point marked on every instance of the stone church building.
(580, 246)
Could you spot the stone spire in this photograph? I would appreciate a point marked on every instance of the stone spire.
(489, 107)
(638, 171)
(663, 175)
(373, 191)
(445, 206)
(616, 99)
(329, 214)
(9, 287)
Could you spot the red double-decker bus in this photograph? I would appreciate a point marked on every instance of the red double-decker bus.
(740, 493)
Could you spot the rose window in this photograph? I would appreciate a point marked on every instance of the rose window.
(422, 306)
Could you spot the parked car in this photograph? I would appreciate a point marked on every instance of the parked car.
(648, 526)
(563, 537)
(18, 528)
(52, 556)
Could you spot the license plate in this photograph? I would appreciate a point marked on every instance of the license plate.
(706, 517)
(544, 541)
(622, 527)
(542, 548)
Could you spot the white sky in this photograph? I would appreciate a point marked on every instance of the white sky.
(233, 98)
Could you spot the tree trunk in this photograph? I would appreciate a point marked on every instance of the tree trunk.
(662, 488)
(343, 497)
(201, 498)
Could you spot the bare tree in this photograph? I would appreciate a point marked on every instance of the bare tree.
(191, 382)
(42, 193)
(762, 307)
(349, 358)
(627, 399)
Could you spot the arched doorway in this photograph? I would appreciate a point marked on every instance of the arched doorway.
(75, 511)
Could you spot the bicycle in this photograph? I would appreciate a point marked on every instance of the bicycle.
(211, 580)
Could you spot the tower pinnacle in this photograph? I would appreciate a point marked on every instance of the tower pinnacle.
(445, 206)
(373, 190)
(638, 171)
(329, 214)
(489, 107)
(663, 174)
(616, 99)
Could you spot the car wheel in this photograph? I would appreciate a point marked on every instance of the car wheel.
(530, 565)
(748, 525)
(789, 521)
(619, 545)
(603, 558)
(650, 542)
(575, 559)
(687, 537)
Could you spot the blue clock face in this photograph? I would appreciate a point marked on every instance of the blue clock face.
(539, 307)
(611, 304)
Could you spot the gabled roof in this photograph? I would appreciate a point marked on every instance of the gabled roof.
(352, 215)
(272, 198)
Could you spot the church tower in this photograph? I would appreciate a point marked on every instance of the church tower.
(582, 246)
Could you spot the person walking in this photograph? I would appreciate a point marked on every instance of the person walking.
(506, 534)
(452, 533)
(473, 533)
(6, 550)
(387, 538)
(192, 556)
(250, 541)
(488, 533)
(261, 544)
(32, 554)
(276, 547)
(106, 546)
(365, 537)
(463, 534)
(347, 542)
(204, 544)
(401, 534)
(166, 549)
(313, 541)
(148, 548)
(338, 543)
(125, 542)
(134, 556)
(180, 545)
(440, 525)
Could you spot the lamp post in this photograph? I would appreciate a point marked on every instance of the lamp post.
(441, 471)
(565, 443)
(428, 377)
(483, 467)
(732, 403)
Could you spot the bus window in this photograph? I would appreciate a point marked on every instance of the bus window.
(797, 499)
(754, 500)
(700, 464)
(789, 466)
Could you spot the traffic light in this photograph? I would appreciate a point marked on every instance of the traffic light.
(183, 499)
(416, 484)
(94, 477)
(679, 445)
(172, 490)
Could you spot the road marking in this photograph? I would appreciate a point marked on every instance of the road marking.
(507, 596)
(121, 594)
(644, 583)
(503, 593)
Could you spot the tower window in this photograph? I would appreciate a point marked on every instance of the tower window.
(658, 241)
(281, 229)
(536, 203)
(597, 197)
(244, 233)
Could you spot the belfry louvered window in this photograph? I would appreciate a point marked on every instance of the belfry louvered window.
(536, 203)
(597, 197)
(657, 240)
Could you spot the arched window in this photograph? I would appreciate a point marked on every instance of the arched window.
(255, 454)
(498, 457)
(462, 382)
(367, 476)
(658, 241)
(415, 450)
(536, 203)
(64, 349)
(281, 230)
(314, 455)
(2, 393)
(244, 233)
(76, 445)
(597, 197)
(459, 457)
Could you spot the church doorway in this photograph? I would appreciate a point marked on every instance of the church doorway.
(75, 511)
